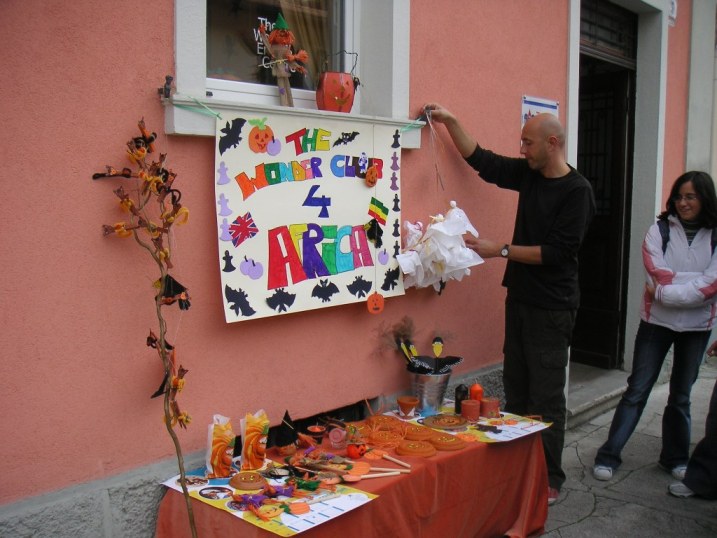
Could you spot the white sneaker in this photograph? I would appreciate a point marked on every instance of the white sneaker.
(679, 471)
(678, 489)
(602, 472)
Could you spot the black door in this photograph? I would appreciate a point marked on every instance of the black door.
(604, 150)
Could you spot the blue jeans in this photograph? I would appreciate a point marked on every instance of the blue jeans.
(651, 346)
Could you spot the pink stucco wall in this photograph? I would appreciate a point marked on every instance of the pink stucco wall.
(77, 307)
(678, 70)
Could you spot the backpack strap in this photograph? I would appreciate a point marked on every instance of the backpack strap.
(664, 227)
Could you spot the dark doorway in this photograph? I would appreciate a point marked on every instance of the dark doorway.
(608, 52)
(605, 130)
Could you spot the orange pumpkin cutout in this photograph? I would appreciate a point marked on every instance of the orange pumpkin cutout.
(374, 303)
(371, 175)
(335, 92)
(260, 135)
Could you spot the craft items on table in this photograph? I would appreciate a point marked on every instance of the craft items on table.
(422, 449)
(283, 506)
(247, 480)
(470, 409)
(446, 441)
(490, 407)
(416, 432)
(317, 432)
(476, 392)
(286, 438)
(445, 422)
(429, 389)
(220, 447)
(337, 437)
(279, 45)
(254, 431)
(461, 393)
(407, 405)
(438, 254)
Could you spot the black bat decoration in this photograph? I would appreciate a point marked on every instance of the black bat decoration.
(240, 300)
(346, 138)
(173, 291)
(324, 290)
(359, 287)
(232, 135)
(281, 300)
(390, 280)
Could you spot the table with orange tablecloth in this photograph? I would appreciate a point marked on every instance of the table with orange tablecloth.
(484, 490)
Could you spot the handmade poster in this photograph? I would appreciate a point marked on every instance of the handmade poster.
(324, 505)
(308, 213)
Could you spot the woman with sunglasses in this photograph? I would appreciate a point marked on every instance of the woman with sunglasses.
(679, 309)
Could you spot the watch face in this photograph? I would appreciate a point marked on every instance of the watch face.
(504, 252)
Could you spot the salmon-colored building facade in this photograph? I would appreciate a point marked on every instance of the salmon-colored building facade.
(84, 447)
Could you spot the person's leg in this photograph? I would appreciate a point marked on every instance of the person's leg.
(651, 345)
(515, 377)
(701, 475)
(688, 352)
(546, 341)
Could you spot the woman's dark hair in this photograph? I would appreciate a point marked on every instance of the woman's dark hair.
(705, 189)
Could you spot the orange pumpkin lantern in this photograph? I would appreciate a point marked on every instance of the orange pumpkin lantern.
(336, 91)
(260, 135)
(374, 303)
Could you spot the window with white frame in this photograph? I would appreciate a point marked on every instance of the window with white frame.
(377, 31)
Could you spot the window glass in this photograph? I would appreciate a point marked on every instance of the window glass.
(236, 52)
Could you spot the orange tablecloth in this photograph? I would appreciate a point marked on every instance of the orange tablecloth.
(484, 490)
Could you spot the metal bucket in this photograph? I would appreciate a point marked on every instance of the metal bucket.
(429, 389)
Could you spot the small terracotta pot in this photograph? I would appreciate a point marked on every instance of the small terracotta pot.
(406, 404)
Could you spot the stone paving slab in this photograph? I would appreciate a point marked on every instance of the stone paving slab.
(635, 503)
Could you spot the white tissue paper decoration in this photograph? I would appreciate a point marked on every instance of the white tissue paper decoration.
(439, 254)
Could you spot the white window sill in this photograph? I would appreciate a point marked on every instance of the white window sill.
(189, 117)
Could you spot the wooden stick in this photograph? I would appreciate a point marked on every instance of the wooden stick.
(379, 475)
(394, 460)
(323, 498)
(390, 469)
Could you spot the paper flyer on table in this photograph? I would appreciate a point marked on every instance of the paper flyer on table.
(324, 505)
(487, 430)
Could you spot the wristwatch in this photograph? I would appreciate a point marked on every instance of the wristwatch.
(505, 251)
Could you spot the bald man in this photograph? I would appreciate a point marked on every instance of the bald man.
(555, 207)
